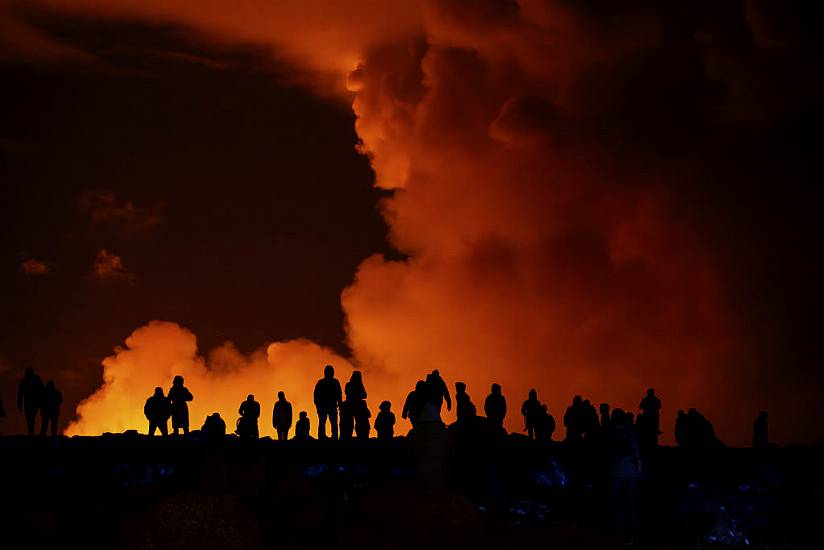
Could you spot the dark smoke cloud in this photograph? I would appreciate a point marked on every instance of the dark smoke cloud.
(576, 185)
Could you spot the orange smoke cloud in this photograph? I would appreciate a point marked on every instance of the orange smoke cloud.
(155, 353)
(537, 255)
(109, 267)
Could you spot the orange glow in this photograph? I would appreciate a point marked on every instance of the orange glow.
(537, 259)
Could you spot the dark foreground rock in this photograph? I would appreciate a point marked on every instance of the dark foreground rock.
(439, 490)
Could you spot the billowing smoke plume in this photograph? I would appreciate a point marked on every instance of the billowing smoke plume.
(157, 352)
(544, 216)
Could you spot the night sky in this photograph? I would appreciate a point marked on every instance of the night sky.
(644, 177)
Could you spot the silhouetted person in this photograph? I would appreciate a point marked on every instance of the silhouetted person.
(631, 421)
(649, 428)
(531, 411)
(282, 417)
(412, 405)
(465, 408)
(327, 398)
(178, 396)
(385, 421)
(573, 419)
(302, 426)
(545, 426)
(158, 410)
(603, 410)
(354, 412)
(50, 408)
(247, 424)
(495, 406)
(214, 426)
(29, 397)
(681, 428)
(693, 431)
(760, 435)
(589, 419)
(622, 450)
(437, 391)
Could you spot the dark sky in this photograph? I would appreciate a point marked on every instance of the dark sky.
(238, 206)
(250, 206)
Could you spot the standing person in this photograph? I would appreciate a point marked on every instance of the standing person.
(574, 419)
(178, 396)
(355, 407)
(282, 417)
(385, 421)
(531, 411)
(29, 397)
(412, 405)
(327, 397)
(760, 434)
(603, 409)
(50, 408)
(158, 411)
(649, 428)
(438, 391)
(545, 426)
(495, 406)
(247, 424)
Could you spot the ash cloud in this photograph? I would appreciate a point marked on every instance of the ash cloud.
(568, 182)
(109, 268)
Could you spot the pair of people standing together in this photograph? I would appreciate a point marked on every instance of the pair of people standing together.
(354, 413)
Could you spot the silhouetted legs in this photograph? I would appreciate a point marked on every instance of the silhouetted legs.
(332, 414)
(47, 419)
(31, 414)
(283, 434)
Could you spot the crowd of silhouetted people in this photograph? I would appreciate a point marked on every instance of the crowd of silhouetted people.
(33, 398)
(346, 412)
(620, 438)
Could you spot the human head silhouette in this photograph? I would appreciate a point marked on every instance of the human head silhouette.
(651, 392)
(618, 416)
(302, 414)
(496, 389)
(328, 371)
(436, 373)
(577, 400)
(356, 376)
(420, 385)
(533, 394)
(250, 397)
(158, 392)
(460, 387)
(604, 408)
(385, 405)
(281, 396)
(178, 381)
(28, 372)
(762, 415)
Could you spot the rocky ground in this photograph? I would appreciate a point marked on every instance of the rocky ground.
(438, 490)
